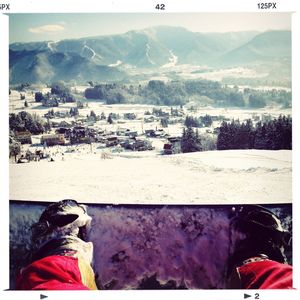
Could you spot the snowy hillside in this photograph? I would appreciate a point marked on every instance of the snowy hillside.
(217, 177)
(87, 58)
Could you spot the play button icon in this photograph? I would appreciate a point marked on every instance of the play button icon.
(246, 296)
(43, 296)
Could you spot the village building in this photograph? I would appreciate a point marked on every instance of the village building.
(122, 131)
(35, 140)
(111, 141)
(137, 145)
(67, 98)
(155, 133)
(173, 146)
(61, 114)
(64, 124)
(49, 115)
(149, 119)
(150, 132)
(53, 139)
(131, 134)
(78, 135)
(126, 132)
(65, 131)
(24, 137)
(130, 116)
(168, 148)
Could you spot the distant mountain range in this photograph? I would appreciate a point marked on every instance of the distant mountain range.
(106, 58)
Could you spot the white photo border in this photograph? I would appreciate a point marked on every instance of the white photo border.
(91, 6)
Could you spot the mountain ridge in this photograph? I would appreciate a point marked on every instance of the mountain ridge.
(153, 47)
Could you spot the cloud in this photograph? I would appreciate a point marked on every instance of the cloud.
(50, 28)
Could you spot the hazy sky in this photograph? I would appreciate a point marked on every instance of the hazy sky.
(40, 27)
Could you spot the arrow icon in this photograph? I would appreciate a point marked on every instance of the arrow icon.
(247, 296)
(43, 296)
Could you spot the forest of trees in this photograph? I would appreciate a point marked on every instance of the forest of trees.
(25, 121)
(271, 135)
(202, 121)
(203, 92)
(190, 140)
(111, 93)
(58, 89)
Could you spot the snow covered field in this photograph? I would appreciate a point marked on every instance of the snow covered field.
(214, 177)
(16, 105)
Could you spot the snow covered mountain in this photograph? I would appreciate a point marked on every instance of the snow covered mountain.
(42, 66)
(149, 48)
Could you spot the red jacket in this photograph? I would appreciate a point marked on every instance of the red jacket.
(266, 274)
(54, 272)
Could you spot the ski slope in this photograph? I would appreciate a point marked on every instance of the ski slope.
(213, 177)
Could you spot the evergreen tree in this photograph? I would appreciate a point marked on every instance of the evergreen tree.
(14, 148)
(16, 123)
(102, 116)
(164, 122)
(259, 136)
(244, 135)
(74, 111)
(93, 115)
(287, 133)
(206, 121)
(38, 96)
(110, 119)
(226, 136)
(190, 141)
(191, 122)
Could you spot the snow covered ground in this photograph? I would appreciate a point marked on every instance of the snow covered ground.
(214, 177)
(16, 105)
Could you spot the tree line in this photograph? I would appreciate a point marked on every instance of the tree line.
(202, 121)
(270, 135)
(203, 92)
(59, 91)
